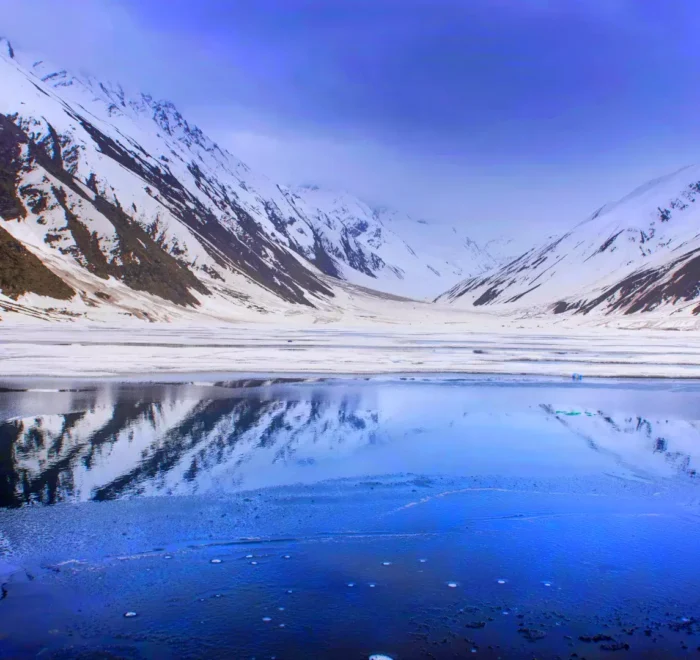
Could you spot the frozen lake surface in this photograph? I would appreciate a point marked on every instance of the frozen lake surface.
(404, 517)
(487, 346)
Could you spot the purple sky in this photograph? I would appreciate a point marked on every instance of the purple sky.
(503, 115)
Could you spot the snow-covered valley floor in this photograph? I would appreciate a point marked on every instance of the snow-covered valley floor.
(72, 350)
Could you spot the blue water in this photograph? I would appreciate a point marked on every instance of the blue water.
(344, 518)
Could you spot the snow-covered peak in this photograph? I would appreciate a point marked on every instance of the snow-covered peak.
(375, 247)
(125, 168)
(395, 252)
(636, 254)
(656, 191)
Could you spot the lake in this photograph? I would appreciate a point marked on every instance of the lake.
(404, 516)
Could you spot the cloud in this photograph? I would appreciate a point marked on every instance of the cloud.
(102, 37)
(378, 173)
(78, 32)
(527, 201)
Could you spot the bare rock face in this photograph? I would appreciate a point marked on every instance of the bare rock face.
(21, 272)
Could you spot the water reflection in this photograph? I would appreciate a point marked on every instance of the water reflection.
(110, 442)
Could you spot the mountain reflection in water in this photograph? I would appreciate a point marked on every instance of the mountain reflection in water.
(109, 442)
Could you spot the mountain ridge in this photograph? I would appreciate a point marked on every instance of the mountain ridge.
(117, 188)
(110, 200)
(639, 254)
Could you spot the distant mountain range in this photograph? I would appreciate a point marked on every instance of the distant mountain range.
(115, 202)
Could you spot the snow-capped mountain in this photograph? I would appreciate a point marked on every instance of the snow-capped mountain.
(384, 249)
(104, 195)
(636, 255)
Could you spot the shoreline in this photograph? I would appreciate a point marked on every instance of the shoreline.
(211, 378)
(169, 353)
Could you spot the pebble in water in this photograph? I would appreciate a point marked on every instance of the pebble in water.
(452, 585)
(501, 581)
(129, 615)
(372, 585)
(287, 557)
(289, 591)
(380, 656)
(422, 561)
(351, 584)
(386, 563)
(547, 584)
(281, 609)
(282, 625)
(216, 561)
(249, 556)
(267, 619)
(167, 557)
(253, 563)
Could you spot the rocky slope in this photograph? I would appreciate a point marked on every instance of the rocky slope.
(114, 200)
(639, 254)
